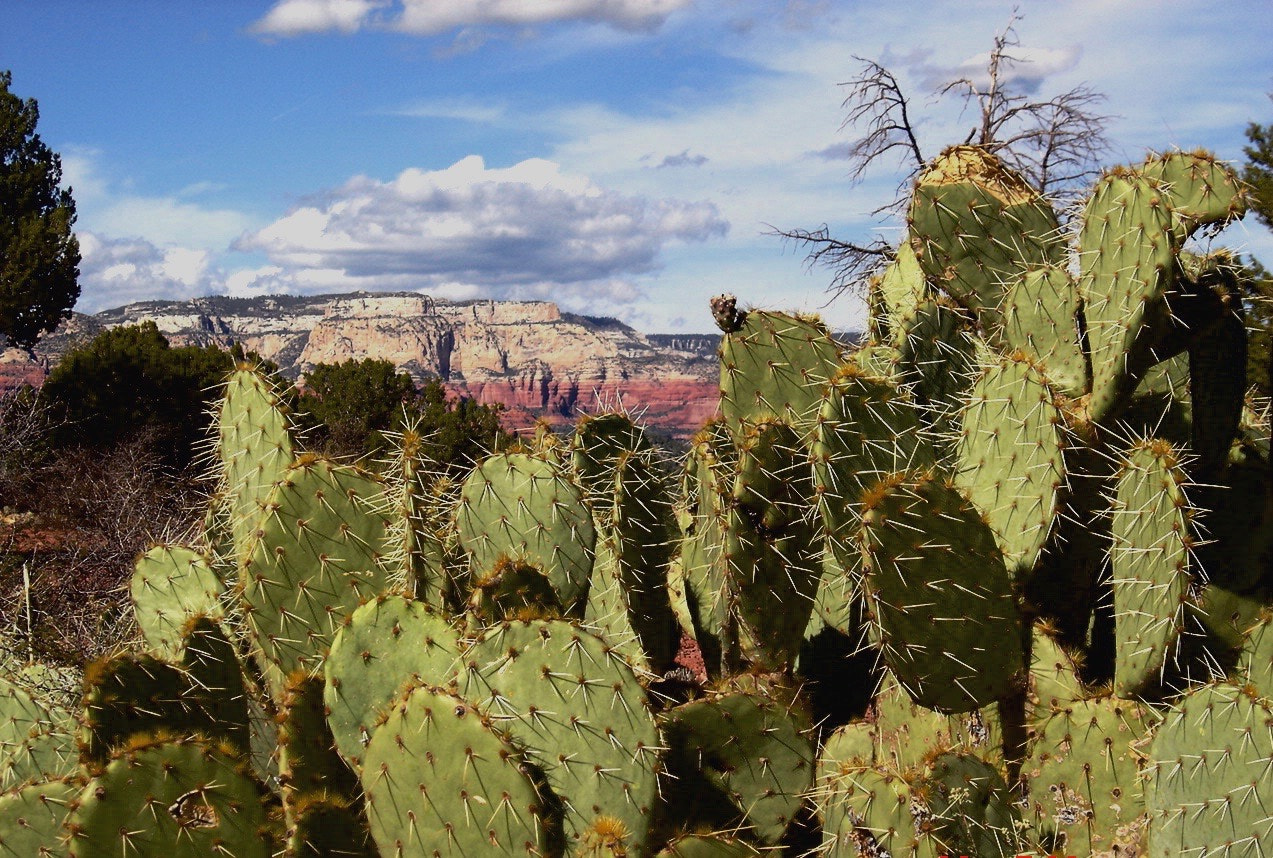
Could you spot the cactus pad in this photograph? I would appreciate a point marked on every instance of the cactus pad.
(867, 428)
(523, 508)
(1150, 560)
(976, 225)
(1010, 460)
(386, 643)
(1041, 318)
(1126, 259)
(746, 749)
(1208, 777)
(36, 741)
(940, 598)
(317, 558)
(169, 798)
(254, 451)
(441, 779)
(774, 368)
(1083, 775)
(171, 584)
(578, 709)
(32, 818)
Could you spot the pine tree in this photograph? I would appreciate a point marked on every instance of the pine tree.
(39, 255)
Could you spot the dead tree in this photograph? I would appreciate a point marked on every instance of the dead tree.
(1056, 144)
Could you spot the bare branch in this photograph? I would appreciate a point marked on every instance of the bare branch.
(1056, 144)
(852, 265)
(876, 103)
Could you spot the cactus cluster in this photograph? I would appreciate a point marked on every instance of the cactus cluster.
(994, 582)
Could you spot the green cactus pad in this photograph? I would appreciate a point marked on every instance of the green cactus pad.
(598, 442)
(774, 368)
(851, 745)
(32, 818)
(415, 561)
(170, 798)
(1126, 257)
(607, 612)
(36, 741)
(1010, 458)
(872, 813)
(972, 810)
(1257, 657)
(867, 428)
(746, 750)
(1217, 363)
(1041, 318)
(940, 598)
(772, 548)
(902, 288)
(707, 482)
(513, 589)
(1162, 406)
(1208, 777)
(317, 557)
(709, 846)
(938, 361)
(308, 762)
(325, 827)
(523, 508)
(52, 752)
(1199, 188)
(386, 643)
(171, 584)
(1150, 561)
(217, 686)
(439, 778)
(837, 604)
(907, 734)
(1054, 678)
(1083, 776)
(134, 694)
(254, 451)
(876, 360)
(644, 528)
(976, 225)
(580, 712)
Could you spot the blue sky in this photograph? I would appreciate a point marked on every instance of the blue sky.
(620, 157)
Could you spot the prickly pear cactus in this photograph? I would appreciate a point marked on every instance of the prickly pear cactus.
(440, 777)
(995, 582)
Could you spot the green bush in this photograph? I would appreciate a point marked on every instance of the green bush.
(345, 409)
(129, 382)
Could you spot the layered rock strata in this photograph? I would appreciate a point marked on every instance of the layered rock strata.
(529, 356)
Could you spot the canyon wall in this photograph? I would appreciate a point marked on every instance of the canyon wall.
(529, 356)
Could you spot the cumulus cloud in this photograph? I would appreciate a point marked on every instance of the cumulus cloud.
(682, 159)
(1026, 71)
(302, 17)
(427, 17)
(117, 271)
(431, 17)
(529, 230)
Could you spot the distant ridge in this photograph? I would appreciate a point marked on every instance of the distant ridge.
(526, 355)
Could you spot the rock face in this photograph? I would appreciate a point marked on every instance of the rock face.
(529, 356)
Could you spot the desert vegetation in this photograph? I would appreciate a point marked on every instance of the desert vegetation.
(994, 581)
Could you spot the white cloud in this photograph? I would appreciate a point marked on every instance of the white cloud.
(432, 17)
(301, 17)
(1024, 69)
(465, 111)
(170, 221)
(428, 17)
(80, 174)
(529, 230)
(117, 271)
